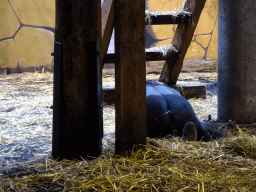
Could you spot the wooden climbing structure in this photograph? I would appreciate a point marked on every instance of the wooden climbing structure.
(186, 20)
(80, 51)
(130, 76)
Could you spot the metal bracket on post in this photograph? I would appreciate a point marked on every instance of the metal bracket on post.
(56, 98)
(97, 80)
(99, 86)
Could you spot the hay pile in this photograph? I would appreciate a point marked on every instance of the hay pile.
(168, 164)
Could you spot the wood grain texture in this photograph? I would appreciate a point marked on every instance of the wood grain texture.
(130, 75)
(181, 41)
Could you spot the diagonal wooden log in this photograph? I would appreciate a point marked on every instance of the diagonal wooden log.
(181, 42)
(107, 26)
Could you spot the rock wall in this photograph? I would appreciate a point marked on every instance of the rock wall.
(27, 33)
(204, 44)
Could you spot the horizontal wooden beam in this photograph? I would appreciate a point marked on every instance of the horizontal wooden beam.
(150, 56)
(160, 19)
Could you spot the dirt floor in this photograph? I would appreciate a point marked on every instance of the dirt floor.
(26, 117)
(227, 164)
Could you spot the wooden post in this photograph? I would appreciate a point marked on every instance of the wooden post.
(130, 75)
(77, 111)
(236, 61)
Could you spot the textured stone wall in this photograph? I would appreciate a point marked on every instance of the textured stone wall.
(27, 32)
(204, 43)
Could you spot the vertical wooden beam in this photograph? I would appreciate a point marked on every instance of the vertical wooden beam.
(77, 111)
(181, 41)
(130, 75)
(107, 25)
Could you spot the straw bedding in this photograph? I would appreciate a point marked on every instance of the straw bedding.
(168, 164)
